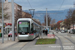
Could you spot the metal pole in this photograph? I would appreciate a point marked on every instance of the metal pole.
(31, 12)
(2, 22)
(46, 19)
(13, 37)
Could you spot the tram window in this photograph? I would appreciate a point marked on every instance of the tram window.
(24, 27)
(31, 27)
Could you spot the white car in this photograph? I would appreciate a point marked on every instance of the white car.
(62, 31)
(72, 31)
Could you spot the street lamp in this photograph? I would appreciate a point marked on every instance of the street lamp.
(13, 37)
(2, 22)
(32, 13)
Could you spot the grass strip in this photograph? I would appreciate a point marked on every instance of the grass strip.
(46, 41)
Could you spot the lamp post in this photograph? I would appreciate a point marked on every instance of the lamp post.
(2, 22)
(32, 13)
(46, 19)
(13, 37)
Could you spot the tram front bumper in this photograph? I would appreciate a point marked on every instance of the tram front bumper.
(25, 37)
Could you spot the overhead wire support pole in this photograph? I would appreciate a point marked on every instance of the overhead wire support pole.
(31, 12)
(2, 22)
(13, 37)
(46, 19)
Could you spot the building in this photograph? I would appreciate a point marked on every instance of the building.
(8, 12)
(71, 27)
(17, 11)
(26, 15)
(62, 26)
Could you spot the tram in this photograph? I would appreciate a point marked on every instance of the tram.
(27, 29)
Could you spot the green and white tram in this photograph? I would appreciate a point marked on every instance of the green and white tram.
(27, 29)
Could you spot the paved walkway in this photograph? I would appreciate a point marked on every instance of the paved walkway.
(7, 43)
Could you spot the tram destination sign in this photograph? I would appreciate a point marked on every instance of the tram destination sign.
(23, 24)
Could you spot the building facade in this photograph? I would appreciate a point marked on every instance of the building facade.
(8, 11)
(26, 15)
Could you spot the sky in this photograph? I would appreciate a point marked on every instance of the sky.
(41, 5)
(51, 5)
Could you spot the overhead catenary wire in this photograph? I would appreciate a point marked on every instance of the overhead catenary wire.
(29, 3)
(61, 5)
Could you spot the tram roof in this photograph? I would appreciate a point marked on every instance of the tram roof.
(24, 19)
(29, 19)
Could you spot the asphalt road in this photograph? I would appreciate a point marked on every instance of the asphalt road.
(67, 41)
(30, 45)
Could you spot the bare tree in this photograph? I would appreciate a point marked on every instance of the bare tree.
(68, 20)
(5, 14)
(53, 24)
(49, 20)
(53, 21)
(73, 18)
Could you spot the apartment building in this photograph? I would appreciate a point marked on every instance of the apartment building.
(17, 11)
(8, 12)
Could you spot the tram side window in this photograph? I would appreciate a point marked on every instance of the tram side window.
(31, 27)
(34, 28)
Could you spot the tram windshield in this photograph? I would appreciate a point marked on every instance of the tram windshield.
(23, 26)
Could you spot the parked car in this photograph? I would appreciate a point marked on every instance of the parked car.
(72, 31)
(10, 34)
(62, 31)
(66, 30)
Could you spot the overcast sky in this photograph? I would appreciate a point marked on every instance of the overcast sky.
(43, 4)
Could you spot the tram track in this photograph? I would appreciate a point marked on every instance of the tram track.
(66, 42)
(23, 46)
(17, 46)
(68, 39)
(60, 43)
